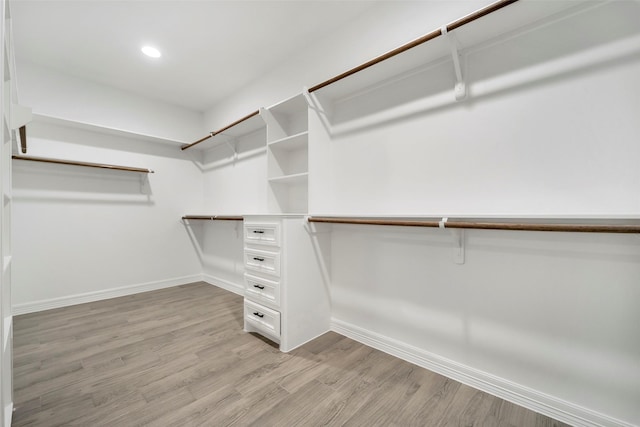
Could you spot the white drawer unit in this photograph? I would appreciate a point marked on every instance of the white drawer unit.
(261, 319)
(262, 261)
(262, 234)
(286, 298)
(262, 290)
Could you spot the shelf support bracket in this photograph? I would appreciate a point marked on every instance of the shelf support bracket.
(232, 143)
(460, 88)
(314, 104)
(458, 241)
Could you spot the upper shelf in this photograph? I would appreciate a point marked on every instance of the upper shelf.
(291, 143)
(526, 37)
(43, 118)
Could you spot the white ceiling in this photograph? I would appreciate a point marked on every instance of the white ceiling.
(210, 48)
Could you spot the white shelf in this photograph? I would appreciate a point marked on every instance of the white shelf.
(298, 141)
(296, 178)
(517, 38)
(290, 106)
(540, 218)
(43, 118)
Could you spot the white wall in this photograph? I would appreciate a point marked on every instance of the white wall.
(233, 185)
(555, 313)
(80, 231)
(51, 93)
(380, 29)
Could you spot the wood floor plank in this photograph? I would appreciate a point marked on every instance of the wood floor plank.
(179, 357)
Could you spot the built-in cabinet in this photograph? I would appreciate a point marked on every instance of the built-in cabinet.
(286, 294)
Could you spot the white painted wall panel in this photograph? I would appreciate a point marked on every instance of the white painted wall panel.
(78, 230)
(63, 96)
(236, 186)
(559, 148)
(555, 312)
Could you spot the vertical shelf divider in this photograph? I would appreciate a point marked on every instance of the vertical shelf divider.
(288, 155)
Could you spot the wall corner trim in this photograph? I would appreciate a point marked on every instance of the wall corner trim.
(524, 396)
(224, 284)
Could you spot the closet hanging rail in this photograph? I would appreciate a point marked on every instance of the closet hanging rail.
(85, 164)
(212, 134)
(432, 35)
(576, 228)
(213, 217)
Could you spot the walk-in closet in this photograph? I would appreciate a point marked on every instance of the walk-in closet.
(320, 213)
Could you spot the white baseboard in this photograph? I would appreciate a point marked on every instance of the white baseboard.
(31, 307)
(536, 401)
(224, 284)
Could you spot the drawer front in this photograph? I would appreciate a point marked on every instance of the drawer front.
(262, 261)
(262, 318)
(262, 290)
(262, 233)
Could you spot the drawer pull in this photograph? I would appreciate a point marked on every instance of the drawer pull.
(258, 286)
(255, 313)
(258, 258)
(258, 231)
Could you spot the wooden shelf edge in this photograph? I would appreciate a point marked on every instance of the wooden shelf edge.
(84, 164)
(213, 217)
(219, 131)
(489, 225)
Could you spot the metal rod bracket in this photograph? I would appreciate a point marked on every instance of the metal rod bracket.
(458, 241)
(460, 88)
(232, 143)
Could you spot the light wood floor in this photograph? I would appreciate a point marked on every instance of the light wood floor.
(179, 357)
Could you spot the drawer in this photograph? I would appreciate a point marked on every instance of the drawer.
(261, 318)
(262, 261)
(262, 290)
(262, 233)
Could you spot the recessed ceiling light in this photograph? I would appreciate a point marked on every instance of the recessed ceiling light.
(151, 51)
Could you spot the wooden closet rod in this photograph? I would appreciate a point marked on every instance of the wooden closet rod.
(212, 134)
(86, 164)
(23, 138)
(214, 217)
(579, 228)
(432, 35)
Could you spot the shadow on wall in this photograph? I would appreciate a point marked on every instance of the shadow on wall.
(39, 182)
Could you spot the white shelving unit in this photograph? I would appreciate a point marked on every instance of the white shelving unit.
(288, 155)
(8, 140)
(424, 78)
